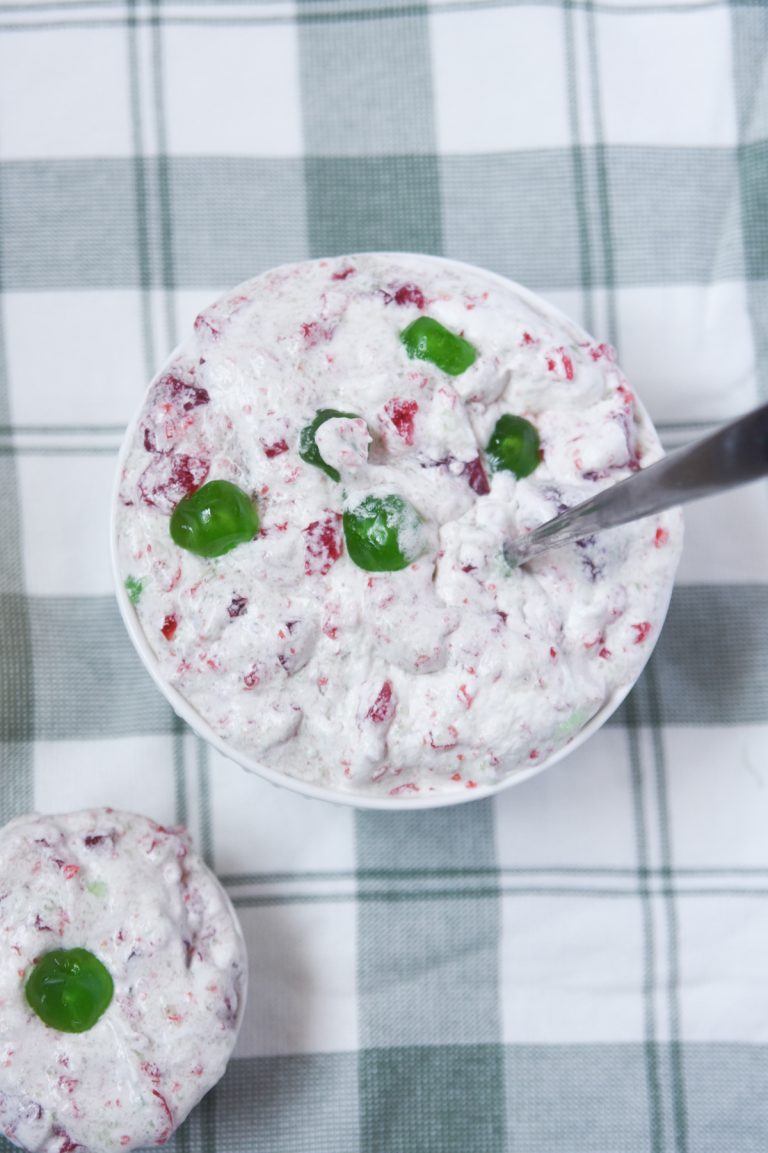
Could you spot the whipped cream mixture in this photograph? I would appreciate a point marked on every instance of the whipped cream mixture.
(137, 897)
(455, 671)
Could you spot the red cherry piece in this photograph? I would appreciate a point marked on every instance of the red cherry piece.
(203, 321)
(402, 414)
(383, 708)
(345, 272)
(170, 477)
(409, 294)
(642, 628)
(182, 395)
(313, 333)
(170, 624)
(323, 544)
(476, 477)
(237, 606)
(276, 449)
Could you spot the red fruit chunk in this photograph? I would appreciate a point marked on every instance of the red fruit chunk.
(168, 1129)
(602, 350)
(67, 1144)
(409, 294)
(661, 538)
(383, 708)
(476, 476)
(181, 395)
(402, 414)
(314, 333)
(324, 544)
(203, 321)
(345, 272)
(170, 624)
(168, 478)
(98, 839)
(237, 606)
(276, 449)
(642, 629)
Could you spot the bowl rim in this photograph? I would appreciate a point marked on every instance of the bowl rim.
(349, 796)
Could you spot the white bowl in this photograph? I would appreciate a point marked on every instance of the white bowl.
(362, 799)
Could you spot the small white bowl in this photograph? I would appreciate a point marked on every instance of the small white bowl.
(361, 799)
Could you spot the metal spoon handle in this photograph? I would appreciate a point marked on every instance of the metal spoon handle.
(733, 455)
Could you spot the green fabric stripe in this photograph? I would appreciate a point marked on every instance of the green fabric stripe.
(299, 1104)
(181, 803)
(750, 29)
(467, 895)
(89, 682)
(17, 698)
(585, 255)
(236, 217)
(412, 934)
(74, 224)
(140, 185)
(426, 874)
(576, 1099)
(370, 92)
(679, 1108)
(350, 12)
(369, 203)
(651, 1061)
(164, 191)
(205, 841)
(441, 1099)
(601, 167)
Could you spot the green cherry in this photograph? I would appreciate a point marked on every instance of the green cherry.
(514, 446)
(426, 339)
(69, 989)
(383, 534)
(214, 519)
(308, 449)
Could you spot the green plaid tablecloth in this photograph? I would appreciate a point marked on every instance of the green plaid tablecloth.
(580, 966)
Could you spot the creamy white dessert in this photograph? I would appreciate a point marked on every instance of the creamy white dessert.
(127, 898)
(454, 671)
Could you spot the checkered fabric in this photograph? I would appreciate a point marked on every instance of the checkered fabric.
(581, 965)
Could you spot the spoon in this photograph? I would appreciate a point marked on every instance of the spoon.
(735, 454)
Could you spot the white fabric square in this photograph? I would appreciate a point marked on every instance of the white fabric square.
(132, 773)
(666, 77)
(305, 955)
(578, 813)
(722, 771)
(499, 77)
(688, 349)
(721, 960)
(65, 511)
(77, 94)
(224, 85)
(93, 339)
(737, 521)
(571, 969)
(259, 828)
